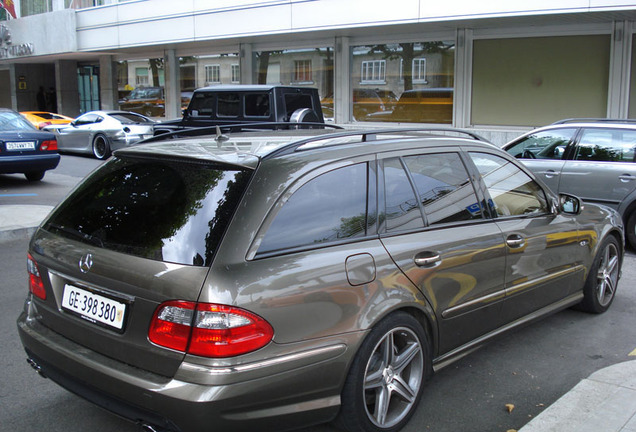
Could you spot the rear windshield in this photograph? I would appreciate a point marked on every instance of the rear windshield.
(162, 210)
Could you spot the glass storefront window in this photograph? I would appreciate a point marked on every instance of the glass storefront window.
(310, 67)
(141, 83)
(411, 82)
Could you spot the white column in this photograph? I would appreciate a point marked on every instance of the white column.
(342, 81)
(173, 85)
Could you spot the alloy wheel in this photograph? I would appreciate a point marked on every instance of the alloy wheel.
(393, 377)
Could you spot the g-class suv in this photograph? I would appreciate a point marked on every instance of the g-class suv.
(240, 104)
(268, 280)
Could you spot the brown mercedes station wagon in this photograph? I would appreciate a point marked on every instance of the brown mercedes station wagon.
(276, 279)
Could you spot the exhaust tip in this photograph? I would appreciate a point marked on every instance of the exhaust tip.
(36, 367)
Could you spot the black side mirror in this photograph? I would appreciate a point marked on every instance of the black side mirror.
(570, 204)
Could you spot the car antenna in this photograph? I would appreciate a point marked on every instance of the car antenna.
(220, 138)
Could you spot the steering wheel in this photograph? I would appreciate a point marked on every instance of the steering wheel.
(528, 154)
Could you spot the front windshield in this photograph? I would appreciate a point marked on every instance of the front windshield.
(12, 121)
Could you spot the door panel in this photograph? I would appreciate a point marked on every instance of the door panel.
(464, 285)
(458, 260)
(540, 268)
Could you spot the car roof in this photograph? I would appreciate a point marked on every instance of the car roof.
(245, 87)
(246, 149)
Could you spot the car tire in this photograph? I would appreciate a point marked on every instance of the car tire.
(34, 175)
(387, 376)
(600, 286)
(630, 229)
(101, 147)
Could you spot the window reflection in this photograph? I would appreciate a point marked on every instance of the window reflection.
(404, 82)
(512, 191)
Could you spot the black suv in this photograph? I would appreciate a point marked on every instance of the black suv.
(240, 104)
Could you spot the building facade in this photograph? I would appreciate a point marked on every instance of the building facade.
(499, 68)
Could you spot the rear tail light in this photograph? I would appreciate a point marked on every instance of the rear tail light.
(36, 286)
(49, 145)
(208, 330)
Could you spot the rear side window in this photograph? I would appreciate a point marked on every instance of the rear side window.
(166, 211)
(444, 188)
(229, 105)
(606, 145)
(549, 144)
(328, 208)
(257, 105)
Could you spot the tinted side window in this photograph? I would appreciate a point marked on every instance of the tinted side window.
(402, 209)
(228, 105)
(543, 145)
(202, 104)
(513, 192)
(608, 145)
(257, 105)
(330, 207)
(444, 188)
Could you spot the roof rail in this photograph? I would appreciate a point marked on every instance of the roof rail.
(595, 120)
(239, 127)
(368, 135)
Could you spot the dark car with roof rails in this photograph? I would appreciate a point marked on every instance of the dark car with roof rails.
(239, 104)
(594, 159)
(25, 149)
(274, 279)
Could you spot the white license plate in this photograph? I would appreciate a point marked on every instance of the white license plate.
(22, 145)
(94, 307)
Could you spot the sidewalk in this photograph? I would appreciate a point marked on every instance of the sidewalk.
(20, 221)
(604, 402)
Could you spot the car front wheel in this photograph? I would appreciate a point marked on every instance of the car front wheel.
(387, 376)
(101, 147)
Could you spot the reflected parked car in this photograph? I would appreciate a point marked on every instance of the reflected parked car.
(428, 105)
(593, 159)
(24, 149)
(150, 101)
(101, 132)
(265, 280)
(40, 119)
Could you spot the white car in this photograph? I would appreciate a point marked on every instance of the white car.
(101, 132)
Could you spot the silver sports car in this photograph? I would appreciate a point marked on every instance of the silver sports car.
(101, 132)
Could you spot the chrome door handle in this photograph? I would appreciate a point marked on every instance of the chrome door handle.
(550, 173)
(427, 259)
(515, 241)
(626, 178)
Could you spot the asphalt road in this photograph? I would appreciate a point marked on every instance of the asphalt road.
(529, 368)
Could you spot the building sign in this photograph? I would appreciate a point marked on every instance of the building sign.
(10, 50)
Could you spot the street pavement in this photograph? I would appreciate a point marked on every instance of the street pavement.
(603, 402)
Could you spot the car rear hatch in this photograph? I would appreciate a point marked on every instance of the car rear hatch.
(26, 143)
(139, 231)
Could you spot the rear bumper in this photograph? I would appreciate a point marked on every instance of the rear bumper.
(28, 163)
(302, 392)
